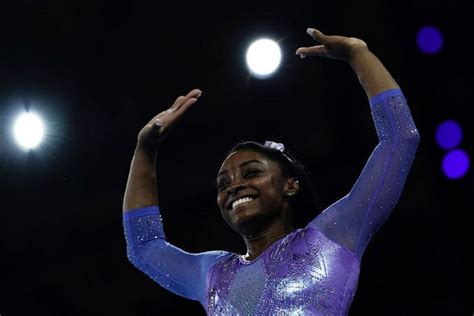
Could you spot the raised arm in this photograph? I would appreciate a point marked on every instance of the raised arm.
(354, 219)
(141, 187)
(174, 269)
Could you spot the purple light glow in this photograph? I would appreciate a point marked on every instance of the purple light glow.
(449, 134)
(456, 164)
(429, 39)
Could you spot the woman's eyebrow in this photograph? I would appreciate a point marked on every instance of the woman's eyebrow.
(242, 164)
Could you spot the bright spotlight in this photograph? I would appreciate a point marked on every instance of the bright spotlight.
(28, 130)
(263, 58)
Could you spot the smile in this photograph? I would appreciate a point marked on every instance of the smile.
(241, 201)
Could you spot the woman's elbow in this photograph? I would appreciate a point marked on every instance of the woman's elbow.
(414, 136)
(134, 256)
(411, 138)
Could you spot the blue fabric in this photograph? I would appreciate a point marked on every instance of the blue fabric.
(304, 273)
(350, 222)
(353, 220)
(179, 271)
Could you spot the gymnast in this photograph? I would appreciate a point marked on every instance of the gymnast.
(312, 270)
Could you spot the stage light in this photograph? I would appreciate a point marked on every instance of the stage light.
(263, 58)
(28, 130)
(429, 40)
(456, 164)
(449, 134)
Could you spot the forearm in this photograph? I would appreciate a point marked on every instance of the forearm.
(376, 192)
(141, 189)
(372, 74)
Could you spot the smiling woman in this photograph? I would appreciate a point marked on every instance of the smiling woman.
(251, 197)
(313, 269)
(264, 174)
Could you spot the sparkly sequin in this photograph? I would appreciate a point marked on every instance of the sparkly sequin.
(303, 273)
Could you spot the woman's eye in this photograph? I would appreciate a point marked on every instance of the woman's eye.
(251, 173)
(221, 185)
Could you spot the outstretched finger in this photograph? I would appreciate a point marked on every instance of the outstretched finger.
(180, 101)
(185, 106)
(177, 103)
(317, 35)
(194, 93)
(318, 50)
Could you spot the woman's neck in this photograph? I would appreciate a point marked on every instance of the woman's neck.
(258, 243)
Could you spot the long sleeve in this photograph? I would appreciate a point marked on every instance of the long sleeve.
(180, 272)
(352, 220)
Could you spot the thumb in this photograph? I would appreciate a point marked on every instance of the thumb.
(318, 50)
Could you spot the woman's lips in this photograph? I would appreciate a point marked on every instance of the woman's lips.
(242, 206)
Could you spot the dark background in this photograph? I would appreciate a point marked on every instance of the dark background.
(97, 71)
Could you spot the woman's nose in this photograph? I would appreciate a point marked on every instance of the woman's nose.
(235, 187)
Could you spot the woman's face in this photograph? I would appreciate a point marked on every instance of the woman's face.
(251, 191)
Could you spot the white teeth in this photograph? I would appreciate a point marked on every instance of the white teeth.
(240, 201)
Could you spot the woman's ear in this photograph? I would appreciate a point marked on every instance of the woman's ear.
(292, 187)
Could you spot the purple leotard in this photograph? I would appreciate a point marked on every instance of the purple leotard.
(311, 271)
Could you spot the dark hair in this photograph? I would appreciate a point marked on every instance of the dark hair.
(306, 203)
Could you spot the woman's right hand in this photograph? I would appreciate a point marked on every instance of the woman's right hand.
(159, 126)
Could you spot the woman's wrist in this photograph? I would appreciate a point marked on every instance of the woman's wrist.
(372, 74)
(147, 149)
(357, 52)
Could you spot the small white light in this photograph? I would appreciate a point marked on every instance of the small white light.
(28, 130)
(263, 58)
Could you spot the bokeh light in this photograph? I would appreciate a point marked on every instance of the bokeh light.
(456, 164)
(429, 39)
(449, 134)
(263, 58)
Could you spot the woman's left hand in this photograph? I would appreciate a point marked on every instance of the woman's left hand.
(333, 46)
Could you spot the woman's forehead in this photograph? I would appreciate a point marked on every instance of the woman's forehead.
(238, 157)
